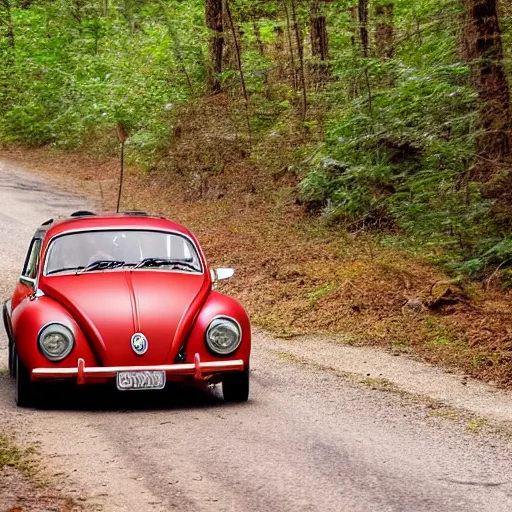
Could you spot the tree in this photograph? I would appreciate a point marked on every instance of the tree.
(365, 46)
(290, 46)
(300, 50)
(363, 27)
(384, 31)
(238, 53)
(214, 22)
(483, 48)
(319, 38)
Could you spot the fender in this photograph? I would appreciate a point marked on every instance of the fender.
(28, 319)
(218, 304)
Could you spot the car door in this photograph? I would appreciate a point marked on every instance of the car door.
(27, 283)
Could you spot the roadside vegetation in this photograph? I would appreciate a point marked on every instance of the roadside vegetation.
(14, 457)
(22, 487)
(351, 158)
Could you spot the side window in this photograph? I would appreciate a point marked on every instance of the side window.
(32, 262)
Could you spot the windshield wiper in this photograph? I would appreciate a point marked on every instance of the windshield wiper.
(160, 262)
(65, 269)
(101, 265)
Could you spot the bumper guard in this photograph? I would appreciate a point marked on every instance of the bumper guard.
(197, 369)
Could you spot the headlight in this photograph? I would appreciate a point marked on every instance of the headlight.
(223, 336)
(56, 342)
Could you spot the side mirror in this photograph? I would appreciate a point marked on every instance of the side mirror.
(220, 274)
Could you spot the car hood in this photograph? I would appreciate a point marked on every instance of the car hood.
(112, 306)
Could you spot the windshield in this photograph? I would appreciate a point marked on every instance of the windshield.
(77, 251)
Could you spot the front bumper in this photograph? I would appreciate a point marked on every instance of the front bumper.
(198, 370)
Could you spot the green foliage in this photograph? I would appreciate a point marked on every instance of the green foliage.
(400, 132)
(75, 71)
(401, 142)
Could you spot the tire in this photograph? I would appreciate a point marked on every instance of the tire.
(10, 340)
(25, 388)
(235, 386)
(12, 371)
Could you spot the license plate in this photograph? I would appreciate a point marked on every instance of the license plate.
(140, 380)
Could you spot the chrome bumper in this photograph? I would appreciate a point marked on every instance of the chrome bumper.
(197, 369)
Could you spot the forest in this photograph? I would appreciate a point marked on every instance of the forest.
(387, 117)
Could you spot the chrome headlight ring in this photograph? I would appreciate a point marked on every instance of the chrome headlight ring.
(223, 336)
(55, 341)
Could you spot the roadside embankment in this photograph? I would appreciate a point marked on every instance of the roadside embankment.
(297, 275)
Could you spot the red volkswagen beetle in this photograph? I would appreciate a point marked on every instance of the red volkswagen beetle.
(124, 298)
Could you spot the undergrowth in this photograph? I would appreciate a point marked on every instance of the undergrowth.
(18, 458)
(400, 158)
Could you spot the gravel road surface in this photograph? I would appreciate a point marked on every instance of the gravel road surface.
(308, 439)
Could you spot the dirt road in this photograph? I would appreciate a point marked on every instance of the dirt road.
(308, 440)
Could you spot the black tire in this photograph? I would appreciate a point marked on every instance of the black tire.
(8, 331)
(25, 389)
(235, 386)
(11, 360)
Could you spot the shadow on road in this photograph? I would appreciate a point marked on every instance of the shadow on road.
(69, 397)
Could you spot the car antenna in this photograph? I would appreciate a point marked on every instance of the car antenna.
(122, 136)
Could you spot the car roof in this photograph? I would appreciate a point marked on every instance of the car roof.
(85, 220)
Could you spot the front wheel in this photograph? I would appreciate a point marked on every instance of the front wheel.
(235, 386)
(12, 371)
(25, 388)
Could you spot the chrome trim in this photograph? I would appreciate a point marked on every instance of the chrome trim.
(37, 294)
(174, 368)
(55, 371)
(28, 281)
(32, 282)
(173, 232)
(39, 346)
(224, 317)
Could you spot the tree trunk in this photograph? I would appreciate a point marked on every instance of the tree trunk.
(482, 46)
(214, 22)
(300, 50)
(231, 40)
(295, 84)
(384, 31)
(354, 85)
(365, 47)
(238, 52)
(319, 35)
(279, 49)
(319, 41)
(363, 27)
(353, 16)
